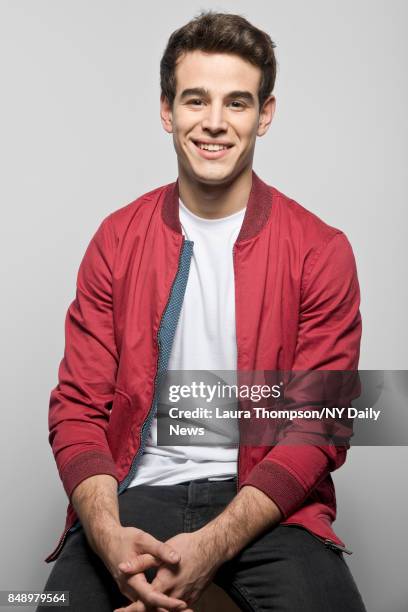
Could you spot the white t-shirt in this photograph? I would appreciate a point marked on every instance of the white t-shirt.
(205, 339)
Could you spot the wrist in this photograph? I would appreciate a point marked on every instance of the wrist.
(103, 536)
(215, 540)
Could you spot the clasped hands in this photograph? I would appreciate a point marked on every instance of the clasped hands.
(186, 564)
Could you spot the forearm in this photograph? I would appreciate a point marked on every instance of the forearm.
(249, 514)
(95, 501)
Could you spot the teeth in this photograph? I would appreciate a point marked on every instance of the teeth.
(212, 147)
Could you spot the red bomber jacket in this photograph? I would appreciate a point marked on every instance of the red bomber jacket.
(297, 308)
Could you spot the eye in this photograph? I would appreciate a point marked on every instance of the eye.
(237, 104)
(195, 102)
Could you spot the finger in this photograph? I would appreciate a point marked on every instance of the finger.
(161, 585)
(164, 610)
(140, 564)
(155, 599)
(152, 598)
(184, 610)
(160, 550)
(134, 607)
(137, 606)
(134, 586)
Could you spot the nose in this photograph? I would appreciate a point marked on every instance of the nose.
(214, 120)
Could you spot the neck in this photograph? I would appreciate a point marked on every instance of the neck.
(215, 201)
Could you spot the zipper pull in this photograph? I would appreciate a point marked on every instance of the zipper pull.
(334, 546)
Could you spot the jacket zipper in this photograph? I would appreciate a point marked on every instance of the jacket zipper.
(334, 546)
(148, 421)
(60, 544)
(326, 541)
(235, 286)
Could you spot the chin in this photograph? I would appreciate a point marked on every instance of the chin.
(213, 176)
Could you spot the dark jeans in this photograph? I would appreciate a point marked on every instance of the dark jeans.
(285, 570)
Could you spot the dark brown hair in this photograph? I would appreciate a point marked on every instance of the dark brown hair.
(219, 33)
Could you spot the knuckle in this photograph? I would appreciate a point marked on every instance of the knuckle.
(137, 532)
(144, 565)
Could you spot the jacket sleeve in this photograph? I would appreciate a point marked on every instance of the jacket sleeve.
(80, 403)
(328, 339)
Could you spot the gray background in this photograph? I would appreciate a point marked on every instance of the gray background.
(80, 137)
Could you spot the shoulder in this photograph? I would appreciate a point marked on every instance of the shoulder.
(113, 228)
(312, 239)
(299, 221)
(143, 206)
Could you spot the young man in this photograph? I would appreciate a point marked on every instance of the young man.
(217, 271)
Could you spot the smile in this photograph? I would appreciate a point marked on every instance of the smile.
(211, 150)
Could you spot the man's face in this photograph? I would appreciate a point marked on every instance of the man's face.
(215, 117)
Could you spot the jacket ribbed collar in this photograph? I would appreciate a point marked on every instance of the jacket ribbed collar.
(256, 215)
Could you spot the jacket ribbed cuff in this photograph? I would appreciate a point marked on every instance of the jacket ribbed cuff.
(85, 465)
(278, 484)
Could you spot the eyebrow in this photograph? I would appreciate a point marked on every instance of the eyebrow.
(201, 91)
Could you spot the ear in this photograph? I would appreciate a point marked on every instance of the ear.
(166, 114)
(266, 115)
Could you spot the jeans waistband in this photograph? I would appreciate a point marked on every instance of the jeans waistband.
(208, 480)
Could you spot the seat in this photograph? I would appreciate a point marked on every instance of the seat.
(215, 599)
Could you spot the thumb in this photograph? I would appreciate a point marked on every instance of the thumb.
(139, 564)
(168, 554)
(162, 551)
